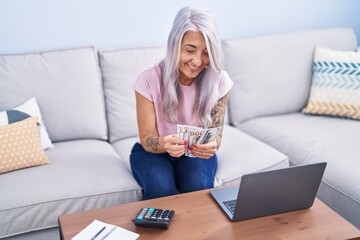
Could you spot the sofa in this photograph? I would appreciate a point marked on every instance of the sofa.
(88, 108)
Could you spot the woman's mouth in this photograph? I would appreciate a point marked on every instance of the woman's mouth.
(193, 68)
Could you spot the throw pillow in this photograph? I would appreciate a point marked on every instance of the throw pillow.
(335, 88)
(20, 146)
(26, 110)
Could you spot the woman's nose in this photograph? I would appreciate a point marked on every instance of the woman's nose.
(197, 61)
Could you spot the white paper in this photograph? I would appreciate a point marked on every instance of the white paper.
(94, 227)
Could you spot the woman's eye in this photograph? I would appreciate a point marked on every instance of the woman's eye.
(191, 51)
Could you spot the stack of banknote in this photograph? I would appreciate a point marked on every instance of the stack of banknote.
(196, 135)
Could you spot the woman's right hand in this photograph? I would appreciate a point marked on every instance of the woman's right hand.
(174, 145)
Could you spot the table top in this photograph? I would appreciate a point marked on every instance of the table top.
(197, 216)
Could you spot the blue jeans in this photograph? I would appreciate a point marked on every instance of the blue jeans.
(162, 175)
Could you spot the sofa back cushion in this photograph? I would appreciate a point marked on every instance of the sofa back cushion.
(67, 86)
(272, 74)
(120, 68)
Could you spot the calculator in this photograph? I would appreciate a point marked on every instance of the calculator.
(154, 217)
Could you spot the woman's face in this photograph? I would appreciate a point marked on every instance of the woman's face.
(193, 56)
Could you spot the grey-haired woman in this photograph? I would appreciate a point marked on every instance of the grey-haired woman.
(187, 87)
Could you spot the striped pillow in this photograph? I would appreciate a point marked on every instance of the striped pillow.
(335, 86)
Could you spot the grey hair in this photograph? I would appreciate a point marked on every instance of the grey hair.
(188, 19)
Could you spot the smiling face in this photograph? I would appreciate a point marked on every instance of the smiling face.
(193, 57)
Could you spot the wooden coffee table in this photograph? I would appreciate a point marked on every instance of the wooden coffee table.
(197, 216)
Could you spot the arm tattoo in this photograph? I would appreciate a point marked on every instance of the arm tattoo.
(154, 143)
(218, 113)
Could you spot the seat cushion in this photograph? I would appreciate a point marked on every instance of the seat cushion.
(67, 86)
(83, 175)
(310, 139)
(239, 154)
(272, 74)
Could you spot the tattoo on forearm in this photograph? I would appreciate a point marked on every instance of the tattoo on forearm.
(154, 143)
(218, 112)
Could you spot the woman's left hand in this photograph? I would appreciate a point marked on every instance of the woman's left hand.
(206, 150)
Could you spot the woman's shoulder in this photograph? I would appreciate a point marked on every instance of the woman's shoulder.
(223, 75)
(149, 79)
(151, 73)
(225, 83)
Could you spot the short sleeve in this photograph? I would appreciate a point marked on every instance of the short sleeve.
(142, 84)
(225, 84)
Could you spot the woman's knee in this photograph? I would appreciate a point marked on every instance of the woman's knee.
(159, 187)
(195, 184)
(197, 174)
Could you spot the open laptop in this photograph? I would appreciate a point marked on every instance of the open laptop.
(271, 192)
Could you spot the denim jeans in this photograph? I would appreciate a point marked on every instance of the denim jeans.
(162, 175)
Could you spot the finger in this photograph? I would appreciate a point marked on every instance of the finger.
(177, 141)
(177, 153)
(176, 147)
(203, 148)
(202, 154)
(209, 145)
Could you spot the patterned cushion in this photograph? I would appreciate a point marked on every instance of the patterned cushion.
(335, 86)
(20, 146)
(28, 109)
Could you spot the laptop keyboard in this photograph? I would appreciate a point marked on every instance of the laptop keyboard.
(230, 205)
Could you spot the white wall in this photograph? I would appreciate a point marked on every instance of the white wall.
(38, 25)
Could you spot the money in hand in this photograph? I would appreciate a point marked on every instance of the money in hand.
(196, 135)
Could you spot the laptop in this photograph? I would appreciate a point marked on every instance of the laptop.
(271, 192)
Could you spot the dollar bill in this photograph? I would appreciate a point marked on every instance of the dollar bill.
(209, 134)
(196, 135)
(191, 134)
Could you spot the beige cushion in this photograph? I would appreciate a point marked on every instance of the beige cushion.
(335, 88)
(20, 146)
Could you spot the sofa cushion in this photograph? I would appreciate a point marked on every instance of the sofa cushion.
(120, 69)
(20, 146)
(67, 86)
(83, 175)
(28, 109)
(335, 88)
(239, 154)
(46, 234)
(272, 74)
(310, 139)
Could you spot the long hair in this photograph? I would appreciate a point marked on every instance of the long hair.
(188, 19)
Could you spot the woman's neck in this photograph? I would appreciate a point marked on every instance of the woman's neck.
(183, 80)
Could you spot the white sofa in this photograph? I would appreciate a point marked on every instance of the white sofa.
(88, 108)
(272, 76)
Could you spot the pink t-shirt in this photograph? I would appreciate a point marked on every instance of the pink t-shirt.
(148, 85)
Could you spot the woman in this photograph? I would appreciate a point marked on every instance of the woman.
(187, 87)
